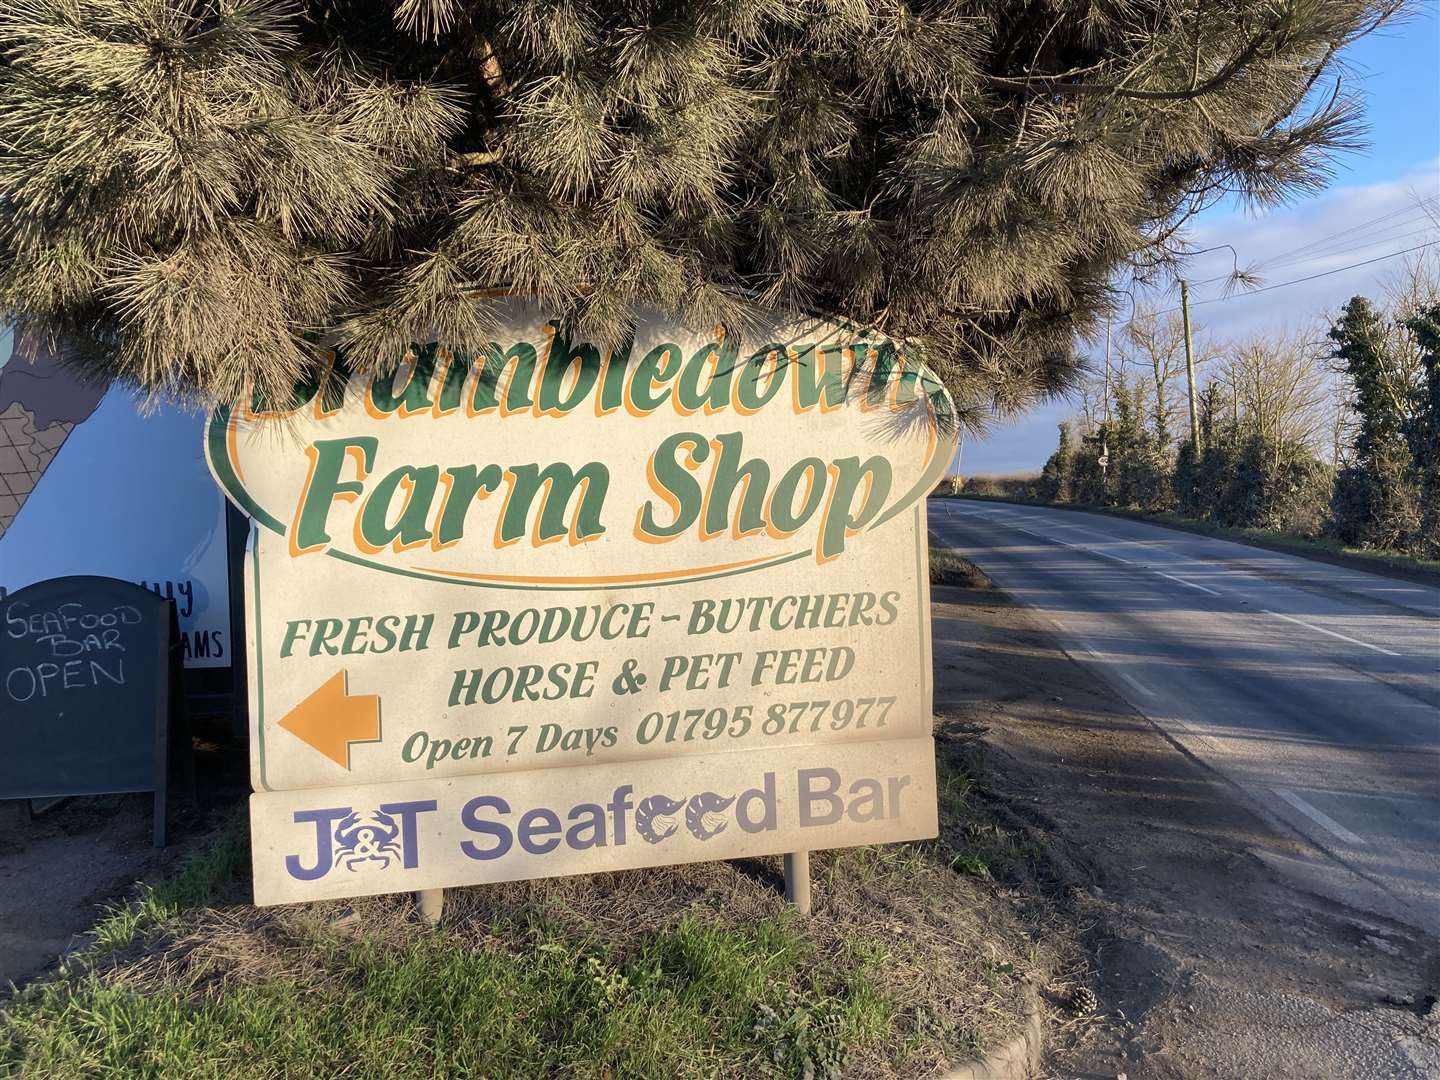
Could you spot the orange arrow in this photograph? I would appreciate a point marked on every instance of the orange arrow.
(330, 720)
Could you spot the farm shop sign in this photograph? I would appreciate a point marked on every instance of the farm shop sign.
(539, 557)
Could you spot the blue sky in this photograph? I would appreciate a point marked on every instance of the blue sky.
(1396, 69)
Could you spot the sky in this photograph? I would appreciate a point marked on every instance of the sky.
(1396, 71)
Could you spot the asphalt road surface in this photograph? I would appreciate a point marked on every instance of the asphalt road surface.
(1313, 689)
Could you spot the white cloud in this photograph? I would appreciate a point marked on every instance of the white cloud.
(1343, 227)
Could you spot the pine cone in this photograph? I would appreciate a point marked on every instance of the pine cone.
(1082, 1001)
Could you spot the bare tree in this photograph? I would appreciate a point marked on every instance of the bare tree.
(1342, 419)
(1091, 398)
(1406, 292)
(1158, 341)
(1281, 388)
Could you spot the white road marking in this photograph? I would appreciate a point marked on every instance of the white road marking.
(1102, 554)
(1135, 683)
(1319, 817)
(1128, 678)
(1191, 584)
(1066, 543)
(1332, 633)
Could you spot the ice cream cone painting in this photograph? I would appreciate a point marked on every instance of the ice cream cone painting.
(41, 401)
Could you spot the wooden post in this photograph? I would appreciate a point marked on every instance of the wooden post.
(431, 904)
(797, 880)
(165, 668)
(1107, 374)
(1189, 363)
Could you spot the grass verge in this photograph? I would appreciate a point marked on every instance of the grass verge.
(914, 958)
(1389, 563)
(949, 567)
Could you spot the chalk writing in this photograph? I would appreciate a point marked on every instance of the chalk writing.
(67, 630)
(85, 670)
(24, 683)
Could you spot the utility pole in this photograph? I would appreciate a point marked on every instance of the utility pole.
(1107, 371)
(1189, 363)
(957, 479)
(1104, 460)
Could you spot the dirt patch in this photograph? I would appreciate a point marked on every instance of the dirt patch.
(58, 869)
(1206, 962)
(61, 868)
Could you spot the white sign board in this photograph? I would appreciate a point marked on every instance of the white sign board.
(531, 580)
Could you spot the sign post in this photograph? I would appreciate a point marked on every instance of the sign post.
(797, 880)
(537, 607)
(431, 904)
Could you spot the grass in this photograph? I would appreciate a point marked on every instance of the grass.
(198, 879)
(423, 1007)
(949, 567)
(911, 960)
(1322, 549)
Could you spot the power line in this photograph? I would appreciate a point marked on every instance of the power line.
(1347, 247)
(1320, 247)
(1347, 233)
(1309, 277)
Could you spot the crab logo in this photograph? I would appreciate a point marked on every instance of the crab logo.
(366, 838)
(375, 840)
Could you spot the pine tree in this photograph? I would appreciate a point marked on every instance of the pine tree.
(193, 193)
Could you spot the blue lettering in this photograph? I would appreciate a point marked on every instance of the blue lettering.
(589, 819)
(324, 849)
(470, 816)
(811, 792)
(407, 812)
(542, 823)
(620, 805)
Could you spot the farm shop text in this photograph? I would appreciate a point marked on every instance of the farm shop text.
(362, 494)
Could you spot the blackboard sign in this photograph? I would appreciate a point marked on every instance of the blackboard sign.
(87, 674)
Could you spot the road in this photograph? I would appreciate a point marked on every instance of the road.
(1313, 689)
